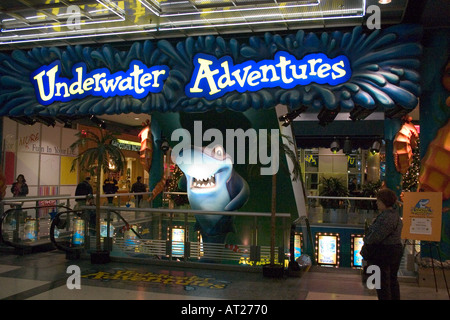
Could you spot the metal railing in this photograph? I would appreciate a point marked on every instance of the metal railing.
(138, 233)
(351, 211)
(170, 235)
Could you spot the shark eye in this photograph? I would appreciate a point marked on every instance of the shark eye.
(218, 152)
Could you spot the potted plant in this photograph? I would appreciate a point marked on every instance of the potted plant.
(98, 155)
(334, 209)
(367, 208)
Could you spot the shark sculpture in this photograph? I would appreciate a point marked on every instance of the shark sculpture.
(212, 185)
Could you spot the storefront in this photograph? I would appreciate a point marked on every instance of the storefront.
(43, 154)
(223, 85)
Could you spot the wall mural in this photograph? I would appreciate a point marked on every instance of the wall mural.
(155, 76)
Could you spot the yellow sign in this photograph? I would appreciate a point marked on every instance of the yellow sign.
(180, 278)
(422, 216)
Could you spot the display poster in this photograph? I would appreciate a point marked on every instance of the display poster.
(357, 243)
(178, 242)
(297, 245)
(327, 250)
(422, 216)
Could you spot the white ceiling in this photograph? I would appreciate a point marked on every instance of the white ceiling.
(130, 119)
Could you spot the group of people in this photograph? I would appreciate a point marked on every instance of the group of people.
(110, 186)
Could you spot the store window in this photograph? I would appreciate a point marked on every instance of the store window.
(42, 154)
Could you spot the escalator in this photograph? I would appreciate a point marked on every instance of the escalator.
(58, 227)
(27, 229)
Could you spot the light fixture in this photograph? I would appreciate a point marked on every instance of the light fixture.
(290, 116)
(384, 1)
(66, 121)
(24, 120)
(327, 116)
(335, 147)
(396, 112)
(68, 124)
(360, 113)
(375, 148)
(100, 123)
(347, 146)
(46, 120)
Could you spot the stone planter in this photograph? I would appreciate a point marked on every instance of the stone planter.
(335, 215)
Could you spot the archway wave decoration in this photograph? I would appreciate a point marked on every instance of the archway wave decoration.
(384, 74)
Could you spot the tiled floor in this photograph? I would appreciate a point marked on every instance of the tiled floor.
(43, 276)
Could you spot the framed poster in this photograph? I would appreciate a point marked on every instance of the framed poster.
(356, 244)
(177, 242)
(422, 216)
(298, 242)
(327, 248)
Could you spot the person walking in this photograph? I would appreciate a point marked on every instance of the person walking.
(383, 246)
(110, 186)
(84, 188)
(138, 186)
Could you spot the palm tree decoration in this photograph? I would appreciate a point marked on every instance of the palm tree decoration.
(297, 174)
(284, 148)
(100, 154)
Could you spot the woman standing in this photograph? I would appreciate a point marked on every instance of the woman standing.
(385, 234)
(20, 187)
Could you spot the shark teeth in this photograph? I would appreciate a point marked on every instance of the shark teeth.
(204, 183)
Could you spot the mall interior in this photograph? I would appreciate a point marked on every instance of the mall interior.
(300, 111)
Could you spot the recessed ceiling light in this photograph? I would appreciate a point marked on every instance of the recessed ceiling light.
(384, 1)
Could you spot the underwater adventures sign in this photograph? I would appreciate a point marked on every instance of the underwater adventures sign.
(138, 81)
(212, 78)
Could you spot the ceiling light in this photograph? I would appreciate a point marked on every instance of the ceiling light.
(384, 1)
(347, 146)
(289, 117)
(46, 120)
(24, 120)
(224, 10)
(375, 148)
(327, 116)
(335, 147)
(100, 123)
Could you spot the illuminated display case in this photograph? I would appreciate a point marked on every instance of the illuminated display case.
(356, 244)
(298, 244)
(327, 249)
(177, 242)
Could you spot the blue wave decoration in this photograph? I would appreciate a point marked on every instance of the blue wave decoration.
(384, 66)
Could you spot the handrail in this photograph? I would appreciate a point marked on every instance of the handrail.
(196, 212)
(342, 198)
(10, 200)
